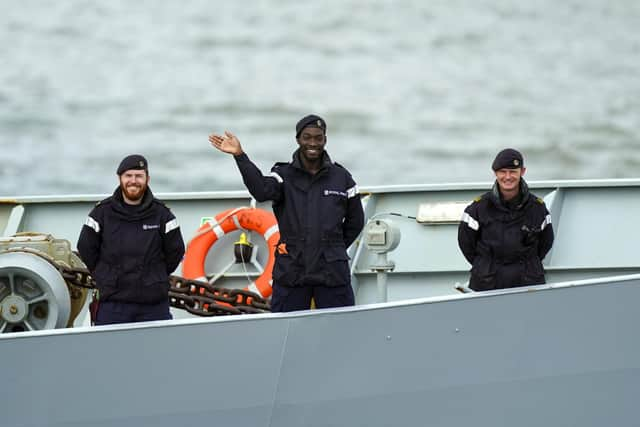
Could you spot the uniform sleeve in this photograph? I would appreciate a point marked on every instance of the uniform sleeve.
(545, 241)
(261, 187)
(468, 232)
(354, 218)
(90, 239)
(172, 243)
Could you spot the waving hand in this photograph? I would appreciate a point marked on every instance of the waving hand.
(228, 143)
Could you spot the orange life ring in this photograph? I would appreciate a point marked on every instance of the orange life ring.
(230, 220)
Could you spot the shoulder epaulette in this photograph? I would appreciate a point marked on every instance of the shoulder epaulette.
(539, 200)
(477, 199)
(280, 166)
(108, 199)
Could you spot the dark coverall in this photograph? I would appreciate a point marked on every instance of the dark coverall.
(319, 217)
(505, 242)
(130, 251)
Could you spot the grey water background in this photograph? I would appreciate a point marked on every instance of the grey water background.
(413, 91)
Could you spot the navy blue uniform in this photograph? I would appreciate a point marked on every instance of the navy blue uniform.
(319, 217)
(505, 242)
(130, 251)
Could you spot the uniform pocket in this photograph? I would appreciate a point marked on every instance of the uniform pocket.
(154, 285)
(483, 274)
(482, 267)
(156, 275)
(337, 266)
(287, 269)
(106, 277)
(534, 271)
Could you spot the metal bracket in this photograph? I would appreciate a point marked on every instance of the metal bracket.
(14, 222)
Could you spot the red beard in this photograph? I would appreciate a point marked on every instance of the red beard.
(134, 192)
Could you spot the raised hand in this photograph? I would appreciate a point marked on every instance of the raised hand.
(228, 143)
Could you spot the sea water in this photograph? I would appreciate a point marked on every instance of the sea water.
(412, 91)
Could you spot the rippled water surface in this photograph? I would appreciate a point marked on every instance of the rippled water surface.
(413, 91)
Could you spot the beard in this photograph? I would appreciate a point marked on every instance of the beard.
(134, 192)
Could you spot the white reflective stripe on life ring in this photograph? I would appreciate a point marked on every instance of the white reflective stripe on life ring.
(270, 232)
(218, 230)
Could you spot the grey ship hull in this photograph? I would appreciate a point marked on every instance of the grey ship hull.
(561, 355)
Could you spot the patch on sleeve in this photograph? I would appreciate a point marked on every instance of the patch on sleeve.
(352, 192)
(171, 225)
(93, 224)
(547, 221)
(470, 221)
(277, 177)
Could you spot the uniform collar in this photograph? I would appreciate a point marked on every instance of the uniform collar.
(518, 203)
(132, 210)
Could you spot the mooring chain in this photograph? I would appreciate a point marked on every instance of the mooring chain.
(77, 276)
(205, 299)
(196, 297)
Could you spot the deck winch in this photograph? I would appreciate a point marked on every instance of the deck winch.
(33, 293)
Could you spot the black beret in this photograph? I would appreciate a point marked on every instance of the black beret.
(508, 159)
(311, 120)
(133, 161)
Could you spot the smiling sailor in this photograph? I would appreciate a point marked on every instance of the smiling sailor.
(506, 233)
(131, 242)
(317, 204)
